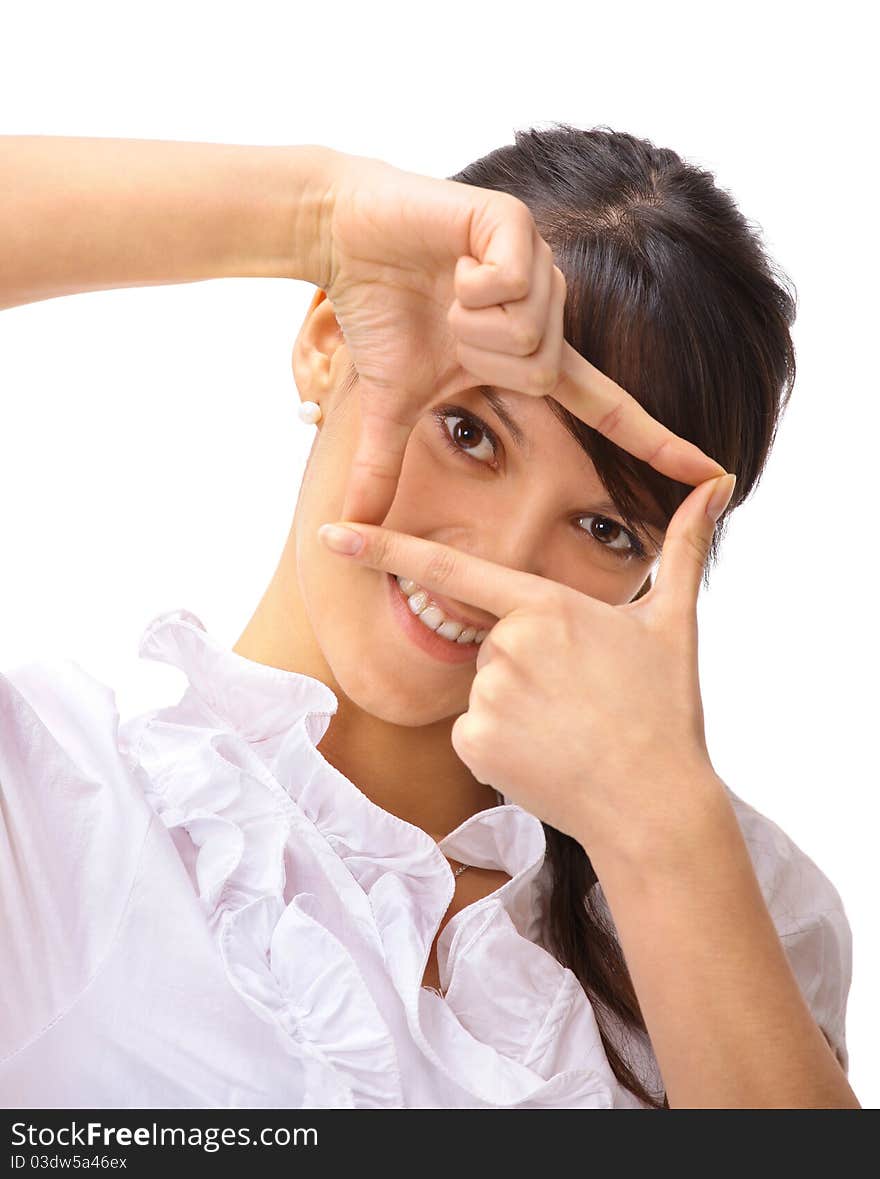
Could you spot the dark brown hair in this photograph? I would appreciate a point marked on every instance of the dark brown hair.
(670, 293)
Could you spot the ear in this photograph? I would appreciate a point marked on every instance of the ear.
(317, 343)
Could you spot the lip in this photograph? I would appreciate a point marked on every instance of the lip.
(418, 633)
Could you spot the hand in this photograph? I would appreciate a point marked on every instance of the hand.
(588, 715)
(439, 286)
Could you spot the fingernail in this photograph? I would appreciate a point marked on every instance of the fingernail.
(720, 497)
(341, 540)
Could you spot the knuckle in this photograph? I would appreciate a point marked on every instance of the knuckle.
(485, 689)
(467, 736)
(518, 284)
(506, 641)
(382, 551)
(440, 566)
(543, 379)
(526, 338)
(517, 279)
(374, 464)
(479, 735)
(699, 545)
(611, 421)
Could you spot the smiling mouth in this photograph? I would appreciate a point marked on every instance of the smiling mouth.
(434, 618)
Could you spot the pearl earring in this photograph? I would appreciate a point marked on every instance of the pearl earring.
(309, 412)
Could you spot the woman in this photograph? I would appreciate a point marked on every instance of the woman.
(301, 885)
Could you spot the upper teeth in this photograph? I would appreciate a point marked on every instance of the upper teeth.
(433, 617)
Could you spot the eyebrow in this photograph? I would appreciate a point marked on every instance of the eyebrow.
(501, 408)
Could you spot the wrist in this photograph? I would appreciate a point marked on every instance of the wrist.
(686, 842)
(309, 177)
(287, 207)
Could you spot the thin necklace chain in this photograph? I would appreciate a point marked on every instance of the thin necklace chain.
(464, 867)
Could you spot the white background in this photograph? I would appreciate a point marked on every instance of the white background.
(150, 453)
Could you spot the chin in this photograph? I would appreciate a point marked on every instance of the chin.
(381, 687)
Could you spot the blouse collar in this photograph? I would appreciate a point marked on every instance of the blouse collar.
(257, 700)
(235, 762)
(265, 704)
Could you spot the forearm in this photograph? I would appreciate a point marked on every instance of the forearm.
(81, 214)
(728, 1024)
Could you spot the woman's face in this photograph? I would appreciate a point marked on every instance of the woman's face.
(532, 502)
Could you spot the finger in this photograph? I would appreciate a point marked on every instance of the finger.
(687, 545)
(514, 328)
(603, 404)
(536, 375)
(501, 240)
(378, 459)
(439, 567)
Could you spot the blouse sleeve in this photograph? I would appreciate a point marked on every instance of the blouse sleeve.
(820, 953)
(810, 919)
(72, 824)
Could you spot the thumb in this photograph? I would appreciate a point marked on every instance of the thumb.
(688, 541)
(377, 462)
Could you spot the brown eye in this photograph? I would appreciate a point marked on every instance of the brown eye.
(612, 535)
(464, 433)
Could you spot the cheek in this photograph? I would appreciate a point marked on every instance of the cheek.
(347, 605)
(348, 611)
(441, 496)
(335, 593)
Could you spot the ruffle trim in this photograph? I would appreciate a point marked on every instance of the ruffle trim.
(316, 896)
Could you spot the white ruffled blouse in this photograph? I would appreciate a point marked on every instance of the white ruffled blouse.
(199, 910)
